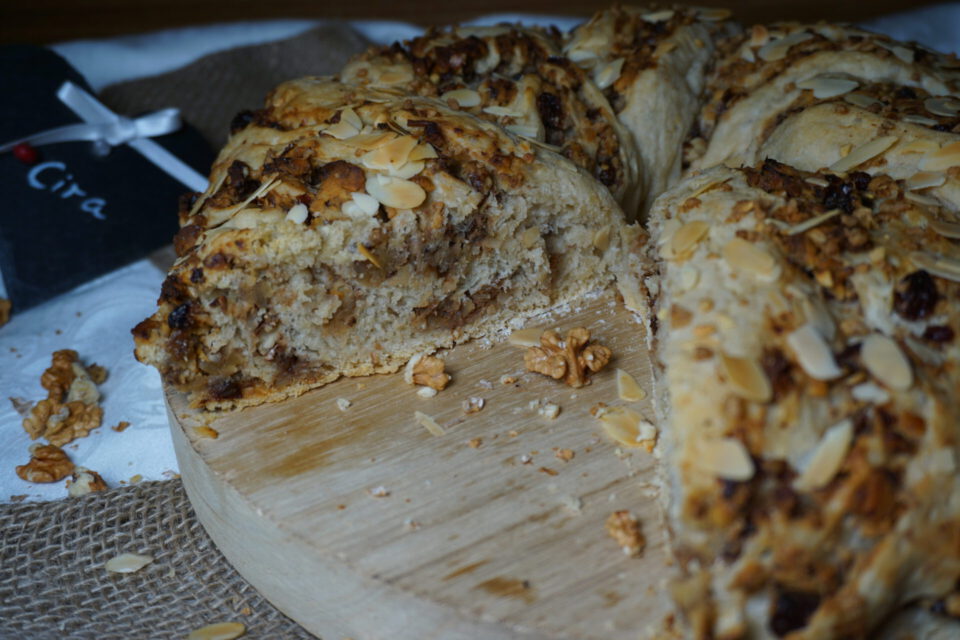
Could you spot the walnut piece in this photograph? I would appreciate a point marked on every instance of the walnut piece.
(625, 529)
(71, 409)
(428, 372)
(85, 481)
(48, 463)
(572, 359)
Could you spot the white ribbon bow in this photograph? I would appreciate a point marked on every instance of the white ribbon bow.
(103, 125)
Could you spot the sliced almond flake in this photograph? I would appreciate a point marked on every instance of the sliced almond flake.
(423, 151)
(396, 192)
(216, 217)
(825, 87)
(748, 55)
(713, 14)
(725, 458)
(806, 225)
(667, 229)
(817, 314)
(429, 424)
(945, 268)
(746, 377)
(665, 47)
(391, 155)
(606, 75)
(813, 353)
(919, 146)
(861, 100)
(622, 424)
(525, 130)
(913, 118)
(466, 98)
(942, 106)
(541, 143)
(218, 631)
(863, 153)
(658, 16)
(525, 337)
(342, 130)
(601, 238)
(407, 171)
(370, 141)
(350, 116)
(395, 76)
(505, 112)
(746, 256)
(924, 352)
(921, 199)
(127, 563)
(689, 277)
(778, 49)
(297, 214)
(688, 236)
(826, 459)
(628, 389)
(367, 204)
(925, 180)
(946, 229)
(820, 182)
(903, 53)
(368, 256)
(886, 362)
(580, 56)
(869, 392)
(708, 186)
(942, 159)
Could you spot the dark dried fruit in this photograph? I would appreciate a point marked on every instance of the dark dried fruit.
(915, 296)
(792, 610)
(938, 333)
(551, 110)
(179, 318)
(242, 120)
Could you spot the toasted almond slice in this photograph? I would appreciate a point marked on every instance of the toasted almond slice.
(860, 100)
(919, 198)
(466, 98)
(423, 151)
(297, 214)
(919, 146)
(903, 53)
(525, 130)
(688, 236)
(946, 229)
(407, 171)
(825, 87)
(820, 182)
(913, 118)
(429, 424)
(826, 459)
(395, 76)
(806, 225)
(606, 75)
(945, 268)
(623, 425)
(863, 153)
(628, 389)
(350, 116)
(725, 458)
(925, 180)
(391, 155)
(396, 192)
(370, 141)
(886, 362)
(746, 378)
(366, 203)
(581, 56)
(746, 256)
(813, 353)
(778, 49)
(659, 16)
(942, 106)
(818, 315)
(525, 337)
(870, 392)
(127, 563)
(368, 256)
(342, 130)
(218, 631)
(505, 112)
(942, 159)
(601, 238)
(689, 277)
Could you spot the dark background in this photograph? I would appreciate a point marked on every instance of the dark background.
(45, 21)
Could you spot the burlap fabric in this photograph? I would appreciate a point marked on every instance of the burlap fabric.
(53, 584)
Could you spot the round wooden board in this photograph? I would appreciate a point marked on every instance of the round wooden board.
(498, 541)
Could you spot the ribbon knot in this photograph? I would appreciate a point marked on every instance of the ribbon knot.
(105, 127)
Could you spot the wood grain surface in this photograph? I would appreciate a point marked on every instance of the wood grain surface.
(496, 539)
(42, 21)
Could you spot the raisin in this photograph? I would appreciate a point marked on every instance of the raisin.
(838, 196)
(225, 389)
(179, 318)
(915, 296)
(551, 110)
(938, 333)
(196, 275)
(792, 610)
(906, 93)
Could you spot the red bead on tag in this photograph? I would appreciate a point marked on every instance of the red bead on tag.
(26, 153)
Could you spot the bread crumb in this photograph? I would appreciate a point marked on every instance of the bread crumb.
(565, 454)
(624, 527)
(426, 392)
(473, 404)
(121, 426)
(343, 404)
(474, 443)
(379, 492)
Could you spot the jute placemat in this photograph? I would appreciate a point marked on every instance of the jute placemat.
(53, 584)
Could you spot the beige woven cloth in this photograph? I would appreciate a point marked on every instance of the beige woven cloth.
(53, 584)
(52, 581)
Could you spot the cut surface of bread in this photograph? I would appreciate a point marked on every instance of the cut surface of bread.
(347, 229)
(808, 399)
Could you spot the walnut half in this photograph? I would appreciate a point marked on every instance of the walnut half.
(71, 409)
(48, 463)
(571, 359)
(427, 371)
